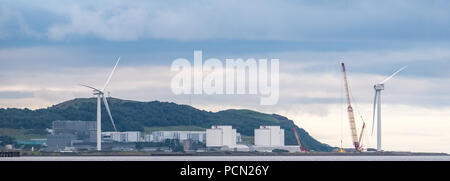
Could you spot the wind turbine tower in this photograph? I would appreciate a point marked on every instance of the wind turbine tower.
(377, 106)
(101, 95)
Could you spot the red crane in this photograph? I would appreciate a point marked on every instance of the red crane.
(298, 141)
(351, 116)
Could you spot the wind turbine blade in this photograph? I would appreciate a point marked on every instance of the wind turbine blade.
(110, 75)
(109, 112)
(374, 106)
(90, 87)
(399, 70)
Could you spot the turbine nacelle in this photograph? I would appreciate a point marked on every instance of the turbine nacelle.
(96, 92)
(378, 87)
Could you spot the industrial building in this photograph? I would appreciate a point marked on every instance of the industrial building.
(271, 136)
(160, 136)
(83, 130)
(68, 133)
(220, 136)
(124, 137)
(81, 135)
(59, 142)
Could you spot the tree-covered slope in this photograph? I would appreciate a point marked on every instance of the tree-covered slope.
(134, 116)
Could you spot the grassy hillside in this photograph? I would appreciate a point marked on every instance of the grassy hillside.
(23, 134)
(151, 116)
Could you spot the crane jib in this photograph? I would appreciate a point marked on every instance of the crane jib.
(351, 116)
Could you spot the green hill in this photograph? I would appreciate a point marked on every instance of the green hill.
(148, 116)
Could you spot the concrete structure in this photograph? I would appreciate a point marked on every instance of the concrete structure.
(83, 130)
(187, 145)
(220, 136)
(238, 138)
(66, 133)
(270, 136)
(160, 136)
(59, 142)
(124, 137)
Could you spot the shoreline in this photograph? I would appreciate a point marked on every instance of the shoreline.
(194, 154)
(232, 158)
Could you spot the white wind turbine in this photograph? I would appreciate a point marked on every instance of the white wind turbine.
(101, 95)
(377, 104)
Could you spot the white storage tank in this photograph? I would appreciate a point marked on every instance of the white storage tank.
(219, 136)
(269, 136)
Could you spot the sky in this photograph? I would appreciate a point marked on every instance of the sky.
(48, 47)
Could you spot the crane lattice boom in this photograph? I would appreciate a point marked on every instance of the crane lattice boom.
(351, 116)
(298, 141)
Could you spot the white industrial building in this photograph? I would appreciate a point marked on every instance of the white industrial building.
(270, 136)
(220, 136)
(129, 136)
(160, 136)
